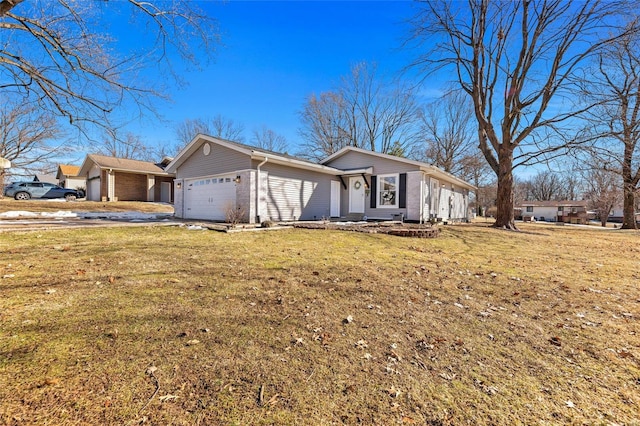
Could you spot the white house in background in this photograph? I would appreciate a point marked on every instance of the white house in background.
(617, 215)
(568, 211)
(216, 178)
(68, 177)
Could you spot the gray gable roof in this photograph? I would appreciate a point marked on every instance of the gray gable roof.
(297, 162)
(424, 167)
(253, 152)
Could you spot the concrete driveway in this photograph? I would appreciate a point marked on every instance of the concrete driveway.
(39, 221)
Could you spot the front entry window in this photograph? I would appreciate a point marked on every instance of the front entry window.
(388, 191)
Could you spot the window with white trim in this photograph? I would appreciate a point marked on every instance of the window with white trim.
(388, 191)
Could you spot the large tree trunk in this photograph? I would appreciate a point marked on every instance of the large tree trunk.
(2, 175)
(629, 208)
(505, 216)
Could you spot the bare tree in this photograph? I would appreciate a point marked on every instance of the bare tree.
(517, 62)
(363, 111)
(485, 198)
(28, 136)
(130, 146)
(616, 121)
(602, 192)
(544, 186)
(325, 127)
(449, 129)
(450, 132)
(266, 138)
(60, 54)
(217, 126)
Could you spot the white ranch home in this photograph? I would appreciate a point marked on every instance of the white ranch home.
(215, 178)
(569, 211)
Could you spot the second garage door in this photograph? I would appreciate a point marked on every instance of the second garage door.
(209, 198)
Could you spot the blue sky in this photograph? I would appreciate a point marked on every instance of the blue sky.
(275, 54)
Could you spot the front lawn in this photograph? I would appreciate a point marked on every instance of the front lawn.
(9, 204)
(177, 326)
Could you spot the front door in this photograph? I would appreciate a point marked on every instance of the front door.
(356, 194)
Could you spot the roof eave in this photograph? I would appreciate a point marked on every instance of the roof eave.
(277, 159)
(436, 172)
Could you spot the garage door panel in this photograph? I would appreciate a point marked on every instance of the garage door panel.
(209, 198)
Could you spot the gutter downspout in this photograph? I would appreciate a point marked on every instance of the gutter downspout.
(258, 188)
(422, 200)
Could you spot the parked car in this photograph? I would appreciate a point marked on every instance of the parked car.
(28, 190)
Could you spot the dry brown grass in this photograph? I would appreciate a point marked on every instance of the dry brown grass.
(479, 327)
(9, 204)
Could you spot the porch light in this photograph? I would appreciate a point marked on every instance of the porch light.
(237, 179)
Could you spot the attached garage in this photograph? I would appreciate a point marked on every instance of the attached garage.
(209, 198)
(216, 177)
(123, 179)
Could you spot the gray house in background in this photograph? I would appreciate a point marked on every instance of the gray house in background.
(217, 178)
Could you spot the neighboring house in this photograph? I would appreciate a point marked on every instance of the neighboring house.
(121, 179)
(216, 178)
(49, 178)
(617, 215)
(68, 177)
(553, 211)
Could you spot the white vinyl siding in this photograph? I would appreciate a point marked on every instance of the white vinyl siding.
(459, 205)
(296, 194)
(287, 197)
(220, 160)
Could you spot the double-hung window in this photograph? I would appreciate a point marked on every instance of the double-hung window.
(388, 191)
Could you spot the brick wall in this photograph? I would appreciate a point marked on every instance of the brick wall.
(131, 187)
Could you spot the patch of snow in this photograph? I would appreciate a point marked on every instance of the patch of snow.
(122, 215)
(18, 213)
(131, 216)
(59, 214)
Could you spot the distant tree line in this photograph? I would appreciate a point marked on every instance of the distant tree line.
(528, 83)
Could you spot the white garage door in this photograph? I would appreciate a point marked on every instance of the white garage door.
(209, 198)
(93, 189)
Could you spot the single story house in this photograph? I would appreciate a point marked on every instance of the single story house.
(122, 179)
(68, 177)
(617, 215)
(216, 178)
(47, 177)
(567, 211)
